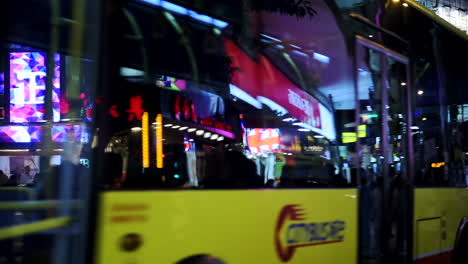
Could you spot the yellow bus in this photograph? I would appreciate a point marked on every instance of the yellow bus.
(210, 132)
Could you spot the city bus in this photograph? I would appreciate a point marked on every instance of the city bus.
(193, 132)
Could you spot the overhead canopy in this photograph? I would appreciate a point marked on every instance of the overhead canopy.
(316, 36)
(437, 19)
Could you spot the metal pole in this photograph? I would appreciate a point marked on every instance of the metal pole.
(385, 150)
(48, 116)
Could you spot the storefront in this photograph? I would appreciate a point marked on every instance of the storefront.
(23, 122)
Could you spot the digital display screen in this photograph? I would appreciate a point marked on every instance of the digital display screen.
(20, 134)
(27, 87)
(262, 140)
(32, 134)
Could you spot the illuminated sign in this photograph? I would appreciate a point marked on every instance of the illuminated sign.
(136, 108)
(28, 84)
(262, 140)
(84, 162)
(309, 106)
(185, 110)
(362, 131)
(293, 231)
(290, 142)
(365, 117)
(159, 141)
(314, 149)
(145, 140)
(437, 164)
(33, 134)
(260, 82)
(348, 137)
(171, 83)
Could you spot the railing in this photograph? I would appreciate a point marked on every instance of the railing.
(34, 227)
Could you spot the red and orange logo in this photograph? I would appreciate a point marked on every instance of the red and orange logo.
(293, 231)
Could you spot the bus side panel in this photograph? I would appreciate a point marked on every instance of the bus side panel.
(250, 226)
(437, 215)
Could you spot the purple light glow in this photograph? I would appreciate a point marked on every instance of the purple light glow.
(2, 83)
(32, 134)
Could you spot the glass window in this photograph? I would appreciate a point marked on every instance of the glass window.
(230, 108)
(369, 79)
(397, 124)
(381, 77)
(428, 131)
(47, 107)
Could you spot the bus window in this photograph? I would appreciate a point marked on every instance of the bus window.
(369, 79)
(397, 154)
(427, 132)
(397, 81)
(232, 109)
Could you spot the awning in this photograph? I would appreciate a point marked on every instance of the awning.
(437, 19)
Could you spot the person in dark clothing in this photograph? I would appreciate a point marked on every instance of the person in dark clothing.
(175, 169)
(113, 178)
(238, 172)
(214, 177)
(270, 183)
(241, 171)
(13, 180)
(61, 182)
(3, 178)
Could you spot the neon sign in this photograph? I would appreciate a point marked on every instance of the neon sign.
(159, 141)
(145, 140)
(28, 84)
(437, 164)
(136, 108)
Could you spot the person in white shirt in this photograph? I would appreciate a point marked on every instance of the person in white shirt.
(26, 177)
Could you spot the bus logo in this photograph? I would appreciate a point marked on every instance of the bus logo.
(301, 233)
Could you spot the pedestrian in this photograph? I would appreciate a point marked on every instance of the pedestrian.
(3, 178)
(26, 177)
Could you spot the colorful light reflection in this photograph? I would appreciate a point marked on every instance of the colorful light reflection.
(261, 140)
(32, 134)
(28, 84)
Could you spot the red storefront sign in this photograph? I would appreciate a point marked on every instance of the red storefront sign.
(262, 79)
